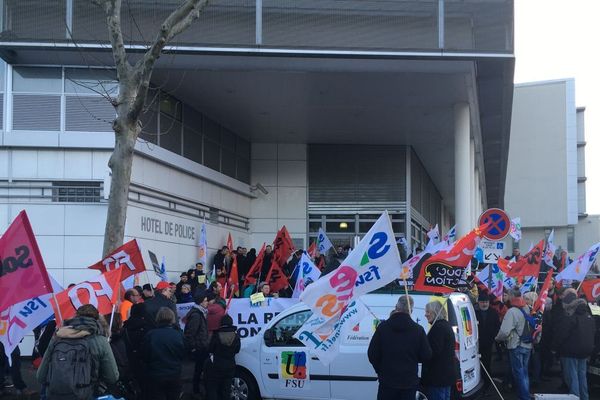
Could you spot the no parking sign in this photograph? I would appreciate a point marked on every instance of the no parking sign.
(499, 223)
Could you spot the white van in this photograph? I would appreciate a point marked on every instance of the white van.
(274, 365)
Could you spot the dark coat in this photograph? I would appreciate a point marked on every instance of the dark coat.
(488, 325)
(440, 369)
(575, 330)
(153, 304)
(196, 331)
(397, 346)
(224, 345)
(119, 349)
(163, 352)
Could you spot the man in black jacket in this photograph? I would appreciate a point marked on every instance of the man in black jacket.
(397, 347)
(488, 324)
(162, 298)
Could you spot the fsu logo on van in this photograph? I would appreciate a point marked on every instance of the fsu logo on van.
(293, 372)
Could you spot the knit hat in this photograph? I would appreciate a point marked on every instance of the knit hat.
(226, 320)
(483, 297)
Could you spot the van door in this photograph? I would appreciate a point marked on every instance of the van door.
(288, 371)
(467, 337)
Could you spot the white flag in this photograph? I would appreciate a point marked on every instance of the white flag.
(450, 236)
(322, 337)
(323, 242)
(373, 263)
(307, 273)
(202, 245)
(579, 268)
(515, 229)
(550, 250)
(434, 238)
(20, 319)
(528, 284)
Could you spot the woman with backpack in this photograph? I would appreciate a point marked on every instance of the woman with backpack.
(220, 366)
(196, 338)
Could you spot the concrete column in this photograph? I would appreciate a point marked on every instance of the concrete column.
(462, 164)
(472, 180)
(477, 195)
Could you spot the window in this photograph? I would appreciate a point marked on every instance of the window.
(76, 192)
(571, 239)
(37, 98)
(284, 330)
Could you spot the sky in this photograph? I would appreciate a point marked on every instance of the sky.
(560, 39)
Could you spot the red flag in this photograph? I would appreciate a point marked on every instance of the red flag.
(234, 281)
(540, 303)
(276, 278)
(563, 261)
(254, 271)
(503, 265)
(102, 292)
(282, 246)
(128, 255)
(23, 274)
(312, 250)
(591, 289)
(443, 272)
(229, 242)
(529, 264)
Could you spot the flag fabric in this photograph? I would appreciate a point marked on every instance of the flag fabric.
(373, 263)
(162, 272)
(550, 250)
(202, 245)
(23, 274)
(323, 242)
(213, 275)
(496, 284)
(283, 247)
(540, 303)
(128, 255)
(233, 280)
(22, 318)
(529, 264)
(450, 236)
(254, 271)
(312, 250)
(503, 264)
(102, 292)
(515, 229)
(444, 271)
(529, 283)
(434, 238)
(579, 268)
(276, 278)
(591, 289)
(229, 242)
(307, 273)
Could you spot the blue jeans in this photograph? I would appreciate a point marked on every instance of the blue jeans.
(437, 392)
(519, 360)
(575, 374)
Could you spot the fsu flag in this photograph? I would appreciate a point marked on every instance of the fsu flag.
(591, 289)
(282, 246)
(234, 281)
(529, 264)
(102, 292)
(579, 268)
(254, 271)
(276, 278)
(23, 274)
(540, 303)
(444, 271)
(129, 256)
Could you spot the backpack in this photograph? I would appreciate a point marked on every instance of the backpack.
(70, 370)
(527, 336)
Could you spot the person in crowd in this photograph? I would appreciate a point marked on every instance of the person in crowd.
(546, 356)
(265, 289)
(219, 260)
(438, 373)
(488, 326)
(215, 312)
(200, 279)
(118, 346)
(511, 331)
(132, 296)
(163, 352)
(57, 374)
(134, 330)
(535, 361)
(574, 337)
(15, 372)
(147, 291)
(216, 287)
(196, 337)
(140, 290)
(251, 257)
(186, 294)
(398, 345)
(224, 345)
(162, 298)
(221, 275)
(183, 279)
(266, 263)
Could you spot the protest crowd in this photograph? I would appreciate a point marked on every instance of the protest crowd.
(532, 328)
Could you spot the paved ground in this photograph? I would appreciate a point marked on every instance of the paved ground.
(548, 386)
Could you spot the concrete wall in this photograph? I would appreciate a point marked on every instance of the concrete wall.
(282, 170)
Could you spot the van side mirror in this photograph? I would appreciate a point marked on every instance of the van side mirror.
(269, 337)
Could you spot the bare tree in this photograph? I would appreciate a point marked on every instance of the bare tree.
(134, 81)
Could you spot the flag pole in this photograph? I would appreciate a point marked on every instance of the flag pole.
(57, 308)
(112, 317)
(407, 297)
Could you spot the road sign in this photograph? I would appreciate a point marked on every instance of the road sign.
(492, 251)
(500, 223)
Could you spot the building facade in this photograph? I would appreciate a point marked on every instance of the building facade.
(264, 113)
(546, 169)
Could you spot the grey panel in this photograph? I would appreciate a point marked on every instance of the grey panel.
(93, 114)
(170, 134)
(36, 112)
(356, 173)
(192, 144)
(1, 109)
(228, 162)
(212, 154)
(149, 120)
(243, 170)
(35, 20)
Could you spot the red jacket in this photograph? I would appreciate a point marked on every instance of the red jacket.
(213, 318)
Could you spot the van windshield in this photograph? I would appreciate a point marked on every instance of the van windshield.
(284, 330)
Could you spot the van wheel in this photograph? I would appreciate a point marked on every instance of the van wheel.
(244, 386)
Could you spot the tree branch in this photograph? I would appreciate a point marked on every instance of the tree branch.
(112, 10)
